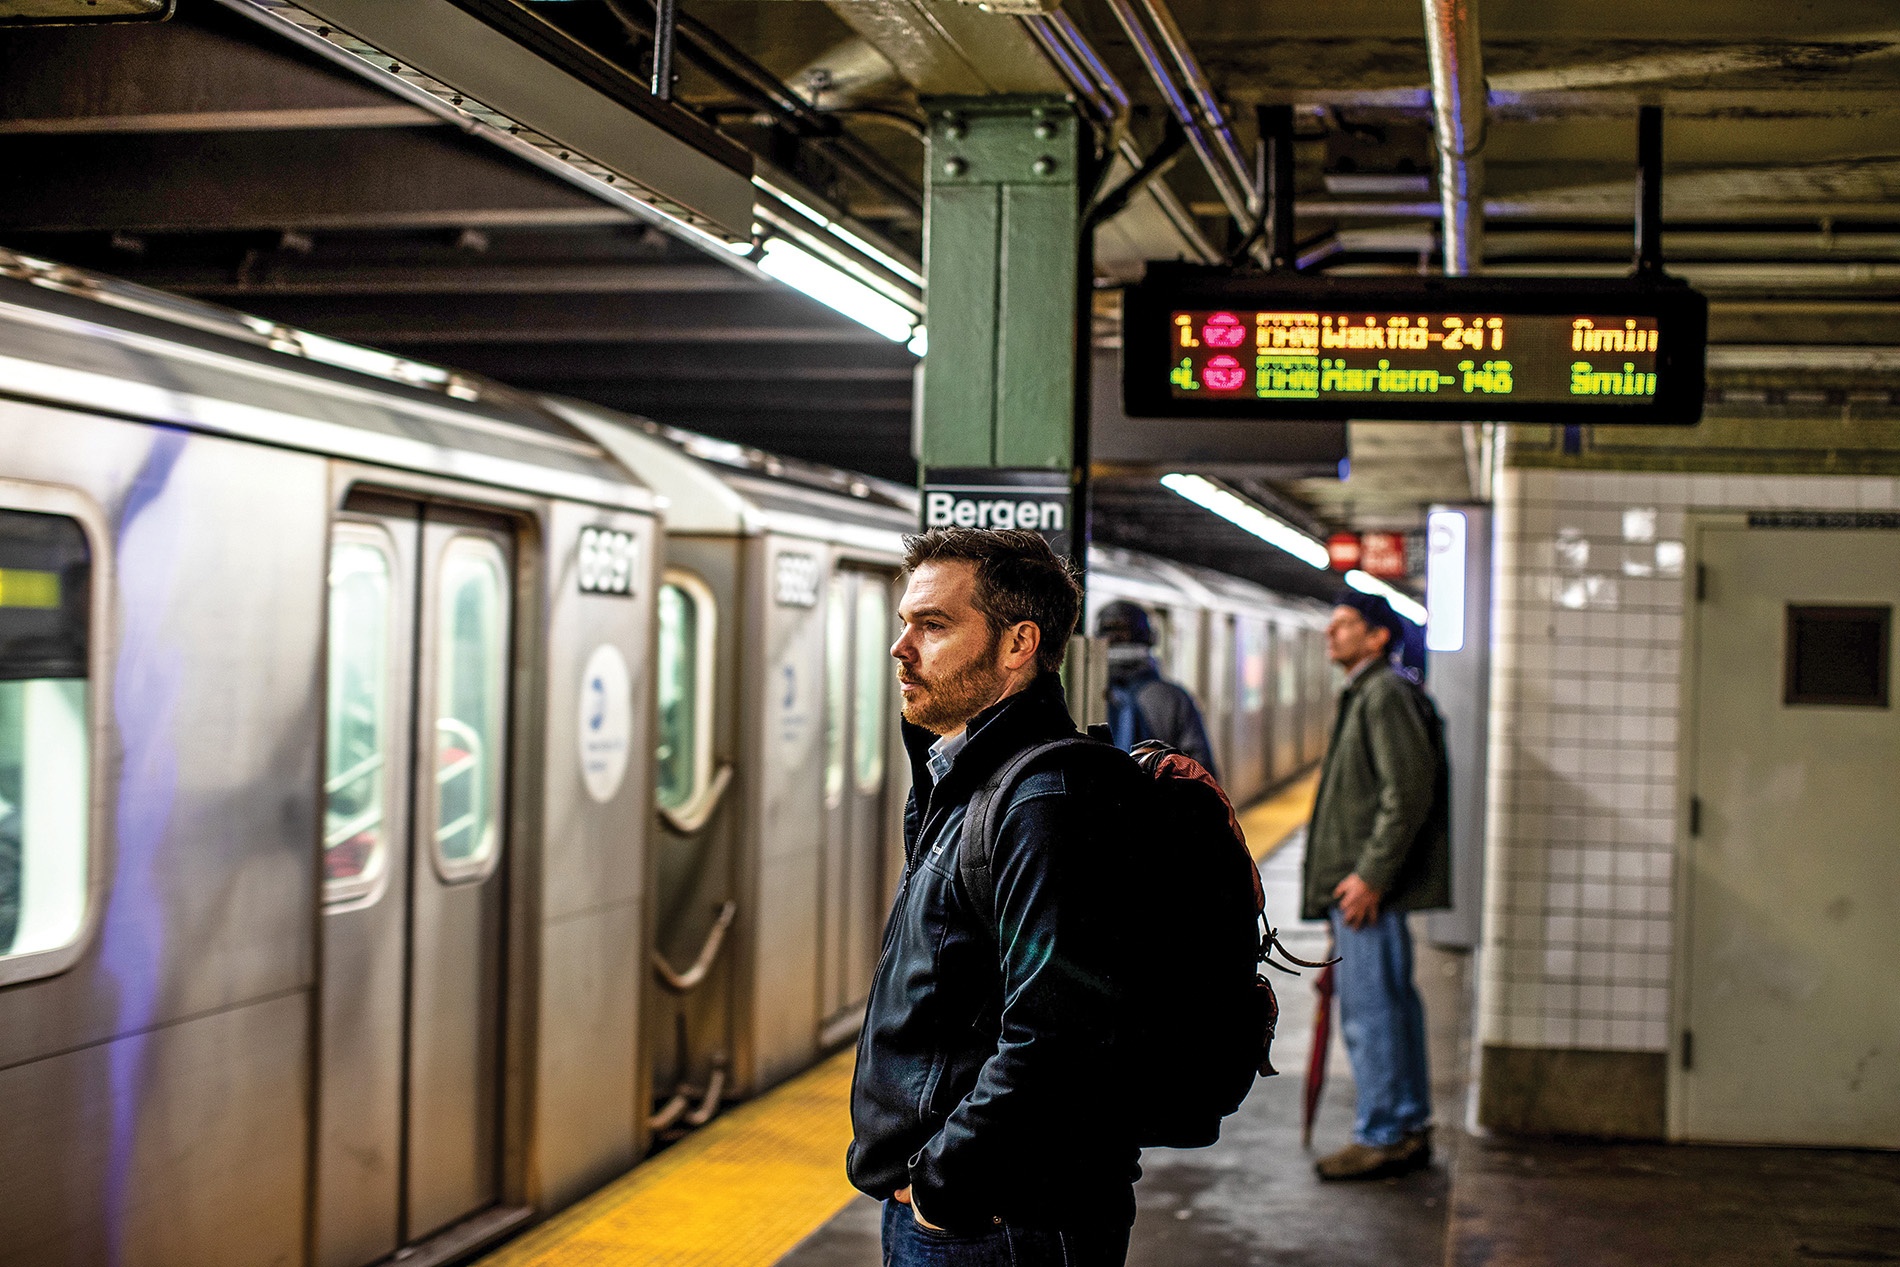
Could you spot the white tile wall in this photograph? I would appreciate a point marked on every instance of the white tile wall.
(1582, 802)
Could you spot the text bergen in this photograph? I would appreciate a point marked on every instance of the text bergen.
(944, 510)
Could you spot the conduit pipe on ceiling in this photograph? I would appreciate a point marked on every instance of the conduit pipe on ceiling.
(1458, 128)
(1458, 121)
(1227, 183)
(1057, 50)
(1195, 80)
(1065, 45)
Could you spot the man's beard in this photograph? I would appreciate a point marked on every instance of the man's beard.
(952, 698)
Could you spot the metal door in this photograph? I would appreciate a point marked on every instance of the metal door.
(1790, 1027)
(858, 673)
(420, 654)
(1220, 692)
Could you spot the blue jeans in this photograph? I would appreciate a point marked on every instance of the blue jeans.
(1005, 1245)
(1383, 1023)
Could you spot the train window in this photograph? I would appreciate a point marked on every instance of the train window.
(1837, 656)
(837, 682)
(356, 714)
(685, 690)
(471, 692)
(875, 668)
(45, 746)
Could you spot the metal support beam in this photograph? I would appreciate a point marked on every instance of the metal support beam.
(665, 27)
(1004, 215)
(195, 181)
(533, 77)
(772, 315)
(1276, 137)
(1649, 142)
(208, 73)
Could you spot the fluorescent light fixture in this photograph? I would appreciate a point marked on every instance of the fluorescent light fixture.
(843, 234)
(1445, 580)
(883, 257)
(837, 290)
(919, 343)
(1244, 514)
(1403, 604)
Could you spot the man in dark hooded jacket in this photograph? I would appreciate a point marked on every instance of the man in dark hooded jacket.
(1142, 704)
(986, 1113)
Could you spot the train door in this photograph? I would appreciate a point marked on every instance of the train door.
(1287, 669)
(417, 727)
(1247, 771)
(1790, 1020)
(858, 674)
(1220, 693)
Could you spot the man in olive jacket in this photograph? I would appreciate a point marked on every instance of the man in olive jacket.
(1378, 847)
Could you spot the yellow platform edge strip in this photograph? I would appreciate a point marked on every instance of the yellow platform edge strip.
(739, 1192)
(1272, 822)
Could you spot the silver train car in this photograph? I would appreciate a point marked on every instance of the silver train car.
(781, 843)
(782, 777)
(325, 795)
(417, 797)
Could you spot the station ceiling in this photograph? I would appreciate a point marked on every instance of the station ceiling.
(213, 156)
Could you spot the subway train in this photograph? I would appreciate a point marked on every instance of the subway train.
(418, 797)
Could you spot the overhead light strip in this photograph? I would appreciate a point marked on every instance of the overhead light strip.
(838, 290)
(820, 244)
(1245, 514)
(871, 250)
(1404, 604)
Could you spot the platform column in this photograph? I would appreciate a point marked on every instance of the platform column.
(1003, 213)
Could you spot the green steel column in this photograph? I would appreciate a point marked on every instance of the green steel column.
(1002, 214)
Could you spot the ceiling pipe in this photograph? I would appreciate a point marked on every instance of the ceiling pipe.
(1231, 188)
(1066, 30)
(1458, 125)
(1072, 54)
(1063, 57)
(1195, 79)
(1458, 120)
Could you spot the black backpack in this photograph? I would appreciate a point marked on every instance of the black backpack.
(1202, 1017)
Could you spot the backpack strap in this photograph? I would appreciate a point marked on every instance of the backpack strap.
(983, 820)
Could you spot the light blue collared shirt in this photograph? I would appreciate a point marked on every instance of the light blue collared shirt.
(943, 754)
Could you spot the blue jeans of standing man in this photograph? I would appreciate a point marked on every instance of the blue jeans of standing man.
(906, 1244)
(1383, 1022)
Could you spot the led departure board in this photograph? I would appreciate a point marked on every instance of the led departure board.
(1209, 343)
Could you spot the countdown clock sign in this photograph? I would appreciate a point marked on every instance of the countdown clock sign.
(1202, 342)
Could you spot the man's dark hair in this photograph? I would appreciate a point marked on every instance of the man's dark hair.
(1018, 578)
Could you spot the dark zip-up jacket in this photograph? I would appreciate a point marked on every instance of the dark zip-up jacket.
(986, 1076)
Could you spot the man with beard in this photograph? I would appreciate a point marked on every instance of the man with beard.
(985, 1105)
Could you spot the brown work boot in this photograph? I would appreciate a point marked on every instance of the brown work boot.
(1371, 1161)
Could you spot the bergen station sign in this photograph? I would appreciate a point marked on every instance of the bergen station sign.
(1201, 342)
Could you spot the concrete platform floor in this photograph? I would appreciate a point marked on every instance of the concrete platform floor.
(1559, 1203)
(1253, 1199)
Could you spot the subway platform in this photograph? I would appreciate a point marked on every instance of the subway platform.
(763, 1186)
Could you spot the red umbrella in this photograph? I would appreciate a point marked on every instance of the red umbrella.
(1316, 1059)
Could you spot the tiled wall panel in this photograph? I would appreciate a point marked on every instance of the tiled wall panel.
(1584, 726)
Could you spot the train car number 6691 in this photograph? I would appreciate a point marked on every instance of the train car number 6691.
(605, 565)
